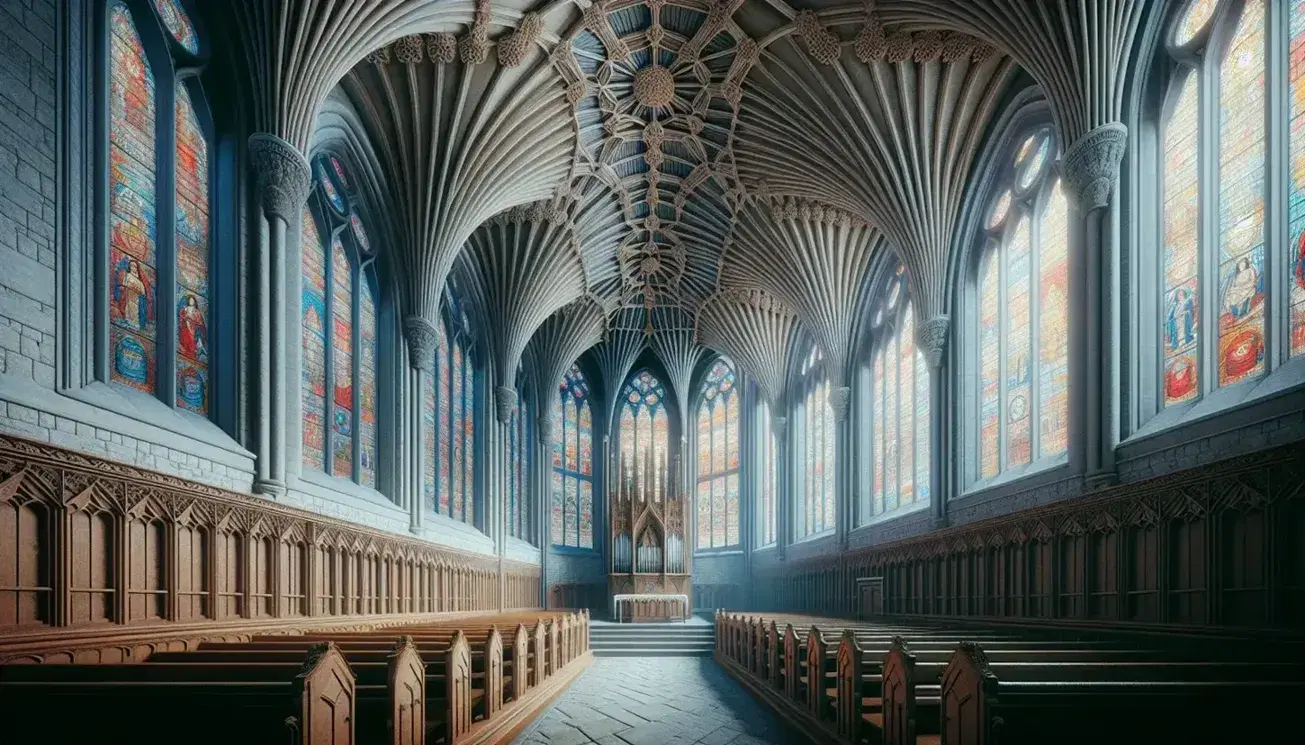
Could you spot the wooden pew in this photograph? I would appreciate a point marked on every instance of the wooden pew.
(309, 701)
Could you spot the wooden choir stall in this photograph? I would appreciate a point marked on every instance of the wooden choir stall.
(650, 561)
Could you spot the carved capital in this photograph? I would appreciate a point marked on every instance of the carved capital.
(281, 174)
(544, 426)
(504, 399)
(839, 398)
(422, 338)
(780, 423)
(1091, 165)
(931, 336)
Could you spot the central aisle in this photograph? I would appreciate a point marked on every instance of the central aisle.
(654, 701)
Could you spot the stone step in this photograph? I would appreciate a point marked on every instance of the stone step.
(651, 644)
(643, 652)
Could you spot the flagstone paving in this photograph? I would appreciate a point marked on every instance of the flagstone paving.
(654, 701)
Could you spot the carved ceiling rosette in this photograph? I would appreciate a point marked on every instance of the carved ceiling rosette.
(463, 137)
(881, 123)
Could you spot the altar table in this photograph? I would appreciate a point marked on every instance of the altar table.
(634, 600)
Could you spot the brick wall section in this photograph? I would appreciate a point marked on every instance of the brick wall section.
(28, 63)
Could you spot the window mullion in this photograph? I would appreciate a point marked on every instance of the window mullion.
(1277, 141)
(1207, 96)
(355, 403)
(165, 196)
(1003, 342)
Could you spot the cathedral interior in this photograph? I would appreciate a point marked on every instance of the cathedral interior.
(643, 372)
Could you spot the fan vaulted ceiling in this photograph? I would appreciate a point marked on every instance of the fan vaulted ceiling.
(672, 174)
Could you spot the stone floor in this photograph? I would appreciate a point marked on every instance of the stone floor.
(654, 701)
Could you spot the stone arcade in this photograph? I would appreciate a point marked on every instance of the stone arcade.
(652, 371)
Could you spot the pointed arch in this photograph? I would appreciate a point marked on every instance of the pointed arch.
(573, 463)
(717, 442)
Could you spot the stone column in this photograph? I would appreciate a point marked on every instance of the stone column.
(784, 499)
(282, 180)
(932, 339)
(423, 338)
(1090, 168)
(504, 399)
(544, 495)
(840, 400)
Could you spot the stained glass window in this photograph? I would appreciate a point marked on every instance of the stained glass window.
(338, 308)
(718, 459)
(1022, 322)
(448, 419)
(138, 88)
(1216, 309)
(573, 492)
(768, 475)
(133, 301)
(519, 479)
(178, 24)
(313, 314)
(896, 395)
(1296, 169)
(644, 428)
(191, 225)
(815, 512)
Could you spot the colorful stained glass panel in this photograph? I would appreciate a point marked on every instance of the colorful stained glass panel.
(1019, 432)
(178, 24)
(367, 385)
(1194, 20)
(1296, 171)
(192, 230)
(990, 365)
(133, 228)
(1182, 213)
(1053, 326)
(906, 408)
(1241, 201)
(313, 315)
(342, 361)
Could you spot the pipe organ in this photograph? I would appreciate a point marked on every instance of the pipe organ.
(649, 551)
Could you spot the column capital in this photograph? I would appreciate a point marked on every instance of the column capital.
(422, 337)
(504, 399)
(839, 400)
(931, 336)
(1091, 165)
(544, 426)
(282, 175)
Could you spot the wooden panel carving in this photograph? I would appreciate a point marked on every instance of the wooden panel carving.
(120, 561)
(1215, 546)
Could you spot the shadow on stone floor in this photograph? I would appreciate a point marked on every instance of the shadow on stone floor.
(655, 701)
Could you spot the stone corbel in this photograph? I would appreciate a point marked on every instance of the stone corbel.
(282, 175)
(544, 426)
(504, 399)
(839, 400)
(422, 338)
(931, 336)
(1090, 166)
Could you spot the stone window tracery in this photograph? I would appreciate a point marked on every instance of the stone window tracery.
(816, 447)
(338, 307)
(645, 426)
(1230, 303)
(894, 418)
(159, 271)
(1021, 326)
(449, 417)
(718, 459)
(573, 458)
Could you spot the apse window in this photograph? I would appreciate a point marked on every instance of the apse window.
(1021, 327)
(1230, 280)
(717, 440)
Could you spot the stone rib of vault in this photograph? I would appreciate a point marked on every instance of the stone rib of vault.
(1079, 52)
(679, 351)
(464, 141)
(622, 342)
(815, 259)
(293, 52)
(758, 332)
(556, 344)
(885, 125)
